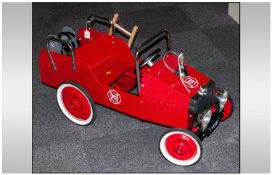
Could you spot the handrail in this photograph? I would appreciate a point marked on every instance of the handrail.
(161, 33)
(67, 43)
(99, 18)
(151, 40)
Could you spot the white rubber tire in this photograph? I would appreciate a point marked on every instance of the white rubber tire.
(173, 160)
(66, 112)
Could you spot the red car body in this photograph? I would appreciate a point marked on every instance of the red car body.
(162, 99)
(105, 67)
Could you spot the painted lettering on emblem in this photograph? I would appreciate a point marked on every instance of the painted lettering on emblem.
(114, 97)
(190, 82)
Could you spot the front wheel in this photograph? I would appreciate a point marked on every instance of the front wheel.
(76, 104)
(181, 147)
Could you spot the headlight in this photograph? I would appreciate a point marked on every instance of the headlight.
(223, 97)
(204, 118)
(202, 90)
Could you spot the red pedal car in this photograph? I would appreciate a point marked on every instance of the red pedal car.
(91, 67)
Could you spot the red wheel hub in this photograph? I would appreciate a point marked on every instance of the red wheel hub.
(181, 146)
(227, 110)
(76, 103)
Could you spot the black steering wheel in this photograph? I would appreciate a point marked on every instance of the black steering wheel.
(150, 58)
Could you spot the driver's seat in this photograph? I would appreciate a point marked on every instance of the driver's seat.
(68, 34)
(127, 81)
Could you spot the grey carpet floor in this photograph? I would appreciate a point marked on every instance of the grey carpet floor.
(115, 142)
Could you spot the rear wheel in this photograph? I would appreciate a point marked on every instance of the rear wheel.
(76, 104)
(181, 147)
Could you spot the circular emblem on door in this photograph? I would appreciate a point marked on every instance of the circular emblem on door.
(114, 97)
(190, 82)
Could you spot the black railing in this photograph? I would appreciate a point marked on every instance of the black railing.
(100, 19)
(163, 34)
(65, 43)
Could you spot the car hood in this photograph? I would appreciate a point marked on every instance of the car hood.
(159, 79)
(188, 85)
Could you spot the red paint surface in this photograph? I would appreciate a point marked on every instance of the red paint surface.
(76, 103)
(181, 146)
(227, 110)
(107, 59)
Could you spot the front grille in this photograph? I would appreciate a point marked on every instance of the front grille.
(199, 103)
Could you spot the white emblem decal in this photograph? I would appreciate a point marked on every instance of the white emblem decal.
(114, 97)
(190, 82)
